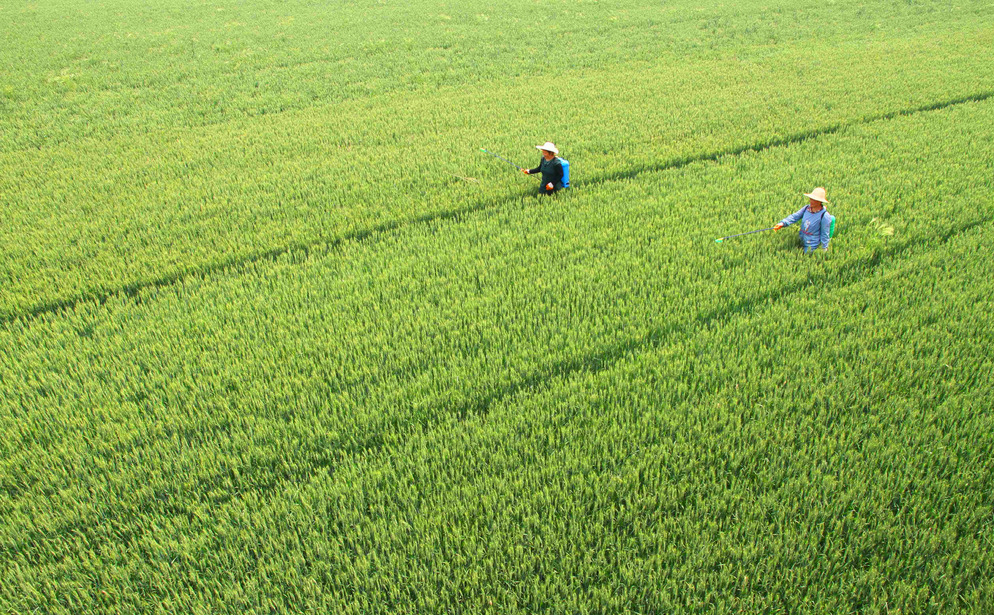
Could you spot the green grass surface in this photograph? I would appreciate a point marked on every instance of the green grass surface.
(263, 349)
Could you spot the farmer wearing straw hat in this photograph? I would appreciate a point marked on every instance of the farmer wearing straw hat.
(816, 222)
(550, 168)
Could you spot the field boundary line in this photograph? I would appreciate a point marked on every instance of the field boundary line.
(326, 244)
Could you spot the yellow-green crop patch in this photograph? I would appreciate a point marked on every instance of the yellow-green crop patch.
(311, 351)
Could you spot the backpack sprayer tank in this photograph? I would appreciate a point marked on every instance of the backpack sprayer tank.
(565, 164)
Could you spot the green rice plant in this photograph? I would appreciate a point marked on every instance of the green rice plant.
(882, 228)
(137, 206)
(352, 429)
(136, 66)
(269, 342)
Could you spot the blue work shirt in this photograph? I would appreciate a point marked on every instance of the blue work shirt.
(815, 227)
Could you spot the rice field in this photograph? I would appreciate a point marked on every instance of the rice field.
(276, 337)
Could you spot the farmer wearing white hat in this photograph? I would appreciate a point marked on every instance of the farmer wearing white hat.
(550, 168)
(816, 222)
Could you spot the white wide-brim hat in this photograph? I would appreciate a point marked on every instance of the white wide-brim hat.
(549, 147)
(818, 194)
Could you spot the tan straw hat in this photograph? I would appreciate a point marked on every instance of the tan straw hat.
(549, 147)
(818, 194)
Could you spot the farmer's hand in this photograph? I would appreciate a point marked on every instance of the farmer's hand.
(525, 171)
(549, 187)
(778, 226)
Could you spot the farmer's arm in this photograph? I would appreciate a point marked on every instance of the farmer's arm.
(792, 218)
(535, 170)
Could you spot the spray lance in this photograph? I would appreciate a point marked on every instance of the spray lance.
(741, 234)
(502, 158)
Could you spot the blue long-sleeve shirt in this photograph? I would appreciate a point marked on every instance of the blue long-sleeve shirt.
(815, 227)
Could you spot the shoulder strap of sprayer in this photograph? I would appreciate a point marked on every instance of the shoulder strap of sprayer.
(831, 228)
